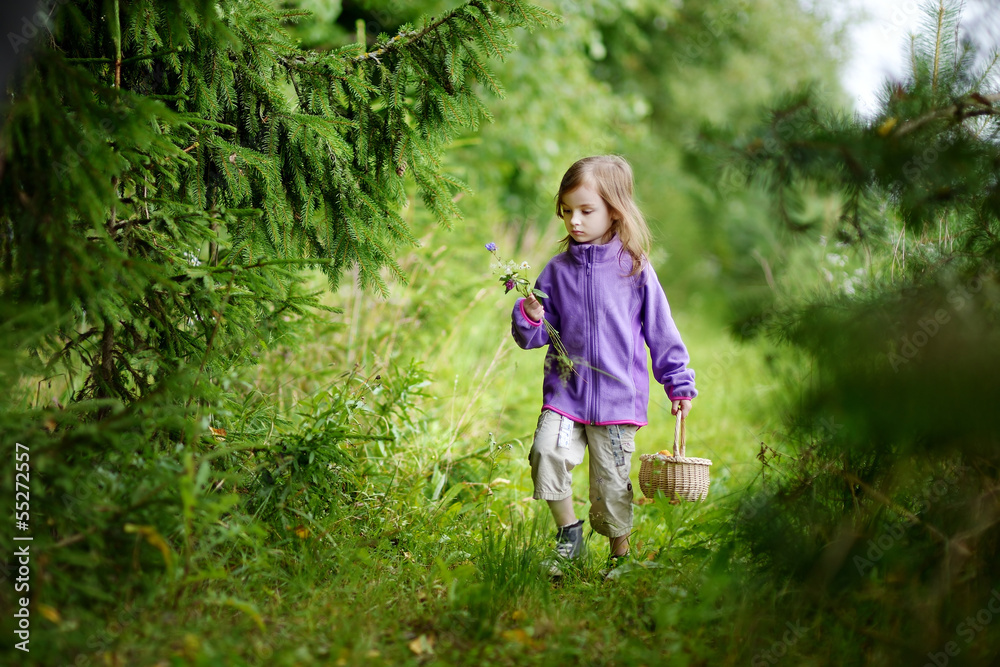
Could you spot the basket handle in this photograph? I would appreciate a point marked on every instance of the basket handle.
(679, 435)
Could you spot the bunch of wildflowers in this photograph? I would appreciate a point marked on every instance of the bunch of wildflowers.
(514, 276)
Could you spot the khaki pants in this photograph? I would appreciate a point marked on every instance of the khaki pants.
(559, 446)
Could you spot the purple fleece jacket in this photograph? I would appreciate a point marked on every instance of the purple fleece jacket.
(604, 317)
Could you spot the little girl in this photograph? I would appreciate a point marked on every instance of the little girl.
(605, 300)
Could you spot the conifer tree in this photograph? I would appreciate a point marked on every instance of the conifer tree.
(167, 170)
(888, 506)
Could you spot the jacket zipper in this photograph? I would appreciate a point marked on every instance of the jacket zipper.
(593, 335)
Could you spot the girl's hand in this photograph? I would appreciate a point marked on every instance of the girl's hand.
(533, 309)
(682, 404)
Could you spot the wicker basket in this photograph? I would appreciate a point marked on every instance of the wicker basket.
(679, 477)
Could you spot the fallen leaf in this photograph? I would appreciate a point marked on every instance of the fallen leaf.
(422, 645)
(517, 635)
(49, 613)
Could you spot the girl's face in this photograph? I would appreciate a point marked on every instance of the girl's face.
(585, 214)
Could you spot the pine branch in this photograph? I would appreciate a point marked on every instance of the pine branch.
(981, 105)
(938, 39)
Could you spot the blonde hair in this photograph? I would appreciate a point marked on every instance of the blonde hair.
(611, 176)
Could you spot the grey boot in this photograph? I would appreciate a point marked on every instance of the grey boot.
(569, 546)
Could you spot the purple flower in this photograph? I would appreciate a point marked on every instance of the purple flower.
(509, 285)
(492, 247)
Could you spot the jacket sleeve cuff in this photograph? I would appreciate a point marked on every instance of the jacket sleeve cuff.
(520, 304)
(674, 397)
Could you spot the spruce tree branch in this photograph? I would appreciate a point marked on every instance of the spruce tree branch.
(300, 64)
(131, 222)
(405, 39)
(130, 59)
(138, 378)
(73, 342)
(295, 83)
(234, 268)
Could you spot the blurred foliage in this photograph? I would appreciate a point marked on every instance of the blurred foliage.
(882, 519)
